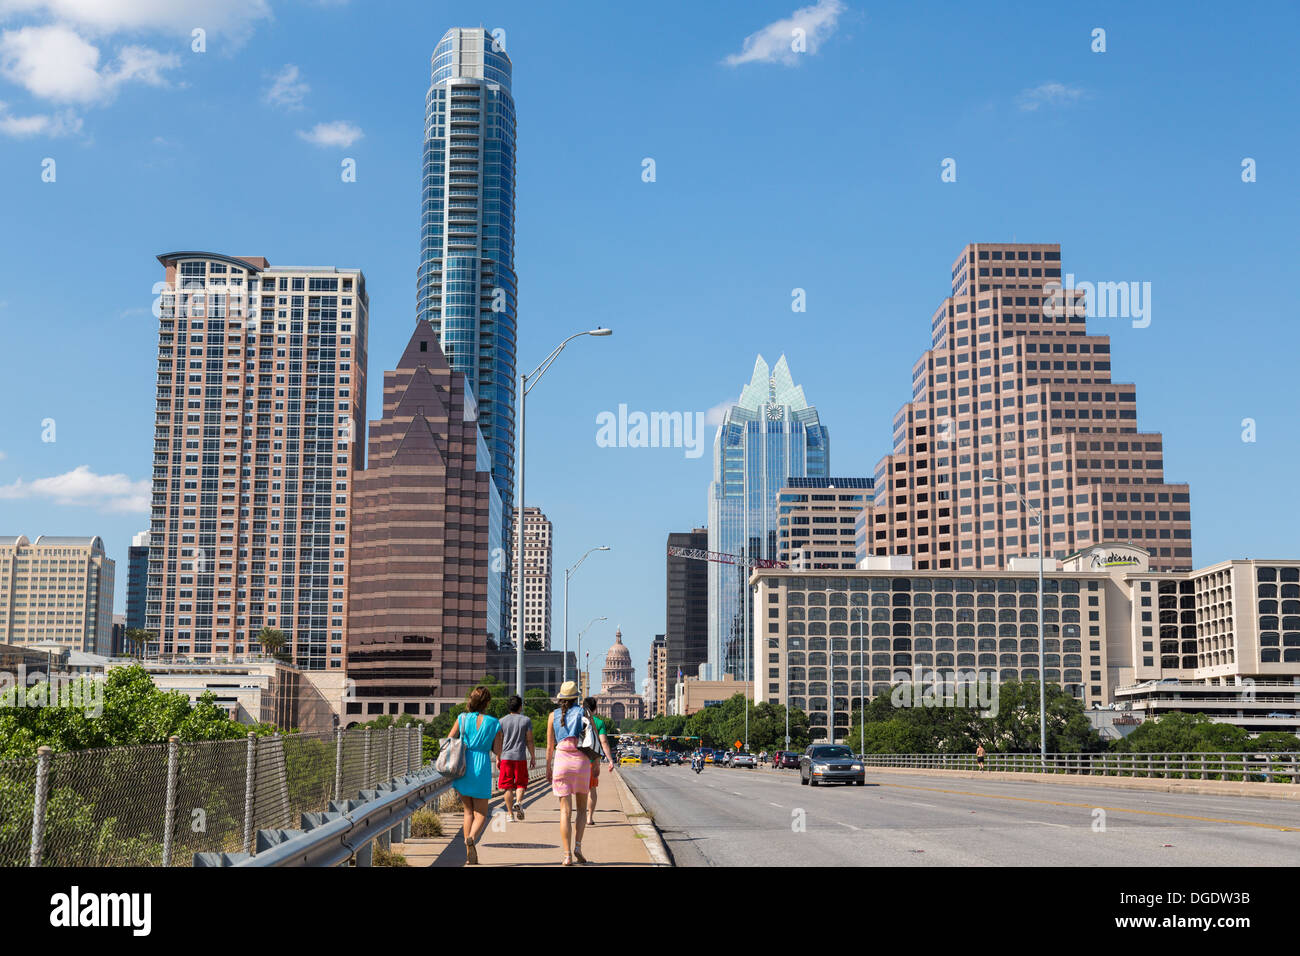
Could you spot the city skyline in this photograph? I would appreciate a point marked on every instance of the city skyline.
(1051, 145)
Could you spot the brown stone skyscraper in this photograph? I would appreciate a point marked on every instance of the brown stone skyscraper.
(421, 548)
(1015, 387)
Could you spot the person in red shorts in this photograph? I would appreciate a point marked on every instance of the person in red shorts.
(518, 755)
(590, 704)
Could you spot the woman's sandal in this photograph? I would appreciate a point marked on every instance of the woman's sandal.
(471, 853)
(577, 853)
(567, 861)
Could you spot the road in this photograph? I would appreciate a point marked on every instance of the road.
(727, 817)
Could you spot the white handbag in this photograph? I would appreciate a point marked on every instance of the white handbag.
(451, 757)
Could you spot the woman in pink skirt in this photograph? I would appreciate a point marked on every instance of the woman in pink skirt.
(569, 769)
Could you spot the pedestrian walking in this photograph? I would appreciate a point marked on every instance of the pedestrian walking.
(518, 756)
(481, 735)
(568, 769)
(979, 756)
(590, 705)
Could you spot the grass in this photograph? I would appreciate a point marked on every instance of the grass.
(383, 856)
(425, 824)
(644, 813)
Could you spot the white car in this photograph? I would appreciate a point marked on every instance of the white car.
(743, 759)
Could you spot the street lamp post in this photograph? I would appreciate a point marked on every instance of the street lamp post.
(582, 632)
(568, 573)
(1042, 649)
(524, 387)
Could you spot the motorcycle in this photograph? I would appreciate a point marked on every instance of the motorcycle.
(697, 763)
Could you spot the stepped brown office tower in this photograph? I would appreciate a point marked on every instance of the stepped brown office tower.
(422, 526)
(1015, 386)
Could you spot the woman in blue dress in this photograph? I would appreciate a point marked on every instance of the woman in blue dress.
(481, 734)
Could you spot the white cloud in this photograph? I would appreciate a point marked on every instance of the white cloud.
(1049, 94)
(339, 133)
(715, 414)
(83, 487)
(62, 123)
(55, 63)
(287, 89)
(232, 18)
(775, 42)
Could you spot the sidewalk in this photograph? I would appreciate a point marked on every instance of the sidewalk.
(535, 841)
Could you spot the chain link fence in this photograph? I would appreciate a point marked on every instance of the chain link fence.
(159, 804)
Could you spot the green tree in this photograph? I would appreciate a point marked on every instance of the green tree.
(136, 638)
(1276, 741)
(272, 640)
(134, 711)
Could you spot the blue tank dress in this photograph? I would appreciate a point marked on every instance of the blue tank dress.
(477, 781)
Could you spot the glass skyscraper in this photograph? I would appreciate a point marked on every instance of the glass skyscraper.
(770, 435)
(466, 278)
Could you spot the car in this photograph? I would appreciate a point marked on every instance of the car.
(709, 757)
(743, 759)
(726, 758)
(629, 758)
(787, 760)
(658, 757)
(675, 758)
(826, 763)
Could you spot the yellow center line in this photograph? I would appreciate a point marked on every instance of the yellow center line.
(1090, 806)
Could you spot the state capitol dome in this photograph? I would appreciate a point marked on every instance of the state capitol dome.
(618, 676)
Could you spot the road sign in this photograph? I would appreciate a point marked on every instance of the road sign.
(787, 740)
(738, 744)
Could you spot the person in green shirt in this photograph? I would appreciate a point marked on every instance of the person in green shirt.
(590, 704)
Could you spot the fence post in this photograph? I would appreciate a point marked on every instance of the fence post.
(282, 774)
(365, 762)
(43, 757)
(250, 771)
(169, 816)
(338, 764)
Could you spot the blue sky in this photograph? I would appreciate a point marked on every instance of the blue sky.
(773, 171)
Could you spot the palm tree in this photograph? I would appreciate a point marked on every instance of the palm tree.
(272, 640)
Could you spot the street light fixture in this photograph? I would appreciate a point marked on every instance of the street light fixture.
(526, 383)
(1042, 647)
(568, 573)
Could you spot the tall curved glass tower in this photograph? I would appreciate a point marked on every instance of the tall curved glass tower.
(769, 436)
(466, 277)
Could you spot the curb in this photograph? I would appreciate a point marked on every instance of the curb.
(654, 843)
(1217, 788)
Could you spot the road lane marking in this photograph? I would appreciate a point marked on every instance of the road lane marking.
(1092, 806)
(849, 825)
(770, 803)
(930, 805)
(1044, 823)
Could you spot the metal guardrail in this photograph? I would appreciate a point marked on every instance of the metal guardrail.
(348, 831)
(1257, 767)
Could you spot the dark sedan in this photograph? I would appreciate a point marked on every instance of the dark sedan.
(786, 760)
(830, 763)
